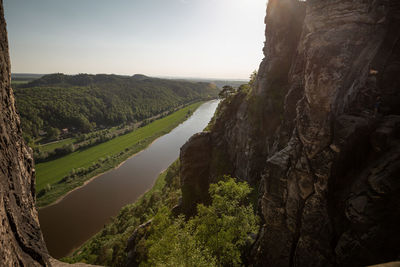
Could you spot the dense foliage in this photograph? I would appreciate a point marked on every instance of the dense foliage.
(83, 102)
(217, 236)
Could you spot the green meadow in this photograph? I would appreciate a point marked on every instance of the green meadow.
(54, 145)
(50, 175)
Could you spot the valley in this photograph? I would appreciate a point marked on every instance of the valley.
(57, 177)
(83, 212)
(296, 166)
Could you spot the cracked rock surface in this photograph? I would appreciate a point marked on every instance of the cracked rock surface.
(21, 241)
(309, 136)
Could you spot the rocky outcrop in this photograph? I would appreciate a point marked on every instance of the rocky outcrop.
(318, 134)
(21, 241)
(195, 156)
(134, 256)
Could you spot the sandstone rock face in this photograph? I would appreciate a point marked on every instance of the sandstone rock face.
(319, 135)
(21, 241)
(194, 173)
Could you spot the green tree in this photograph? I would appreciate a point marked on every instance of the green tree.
(52, 133)
(172, 243)
(83, 123)
(225, 226)
(216, 236)
(253, 78)
(226, 91)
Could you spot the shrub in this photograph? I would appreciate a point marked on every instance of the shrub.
(216, 236)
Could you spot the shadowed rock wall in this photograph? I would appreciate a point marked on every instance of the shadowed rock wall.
(331, 196)
(21, 241)
(318, 135)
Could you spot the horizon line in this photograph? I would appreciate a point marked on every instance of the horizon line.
(154, 76)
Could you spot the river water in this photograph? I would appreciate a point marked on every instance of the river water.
(69, 223)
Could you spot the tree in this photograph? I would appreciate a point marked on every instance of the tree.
(82, 123)
(84, 101)
(226, 91)
(224, 226)
(172, 243)
(216, 236)
(253, 78)
(52, 133)
(244, 88)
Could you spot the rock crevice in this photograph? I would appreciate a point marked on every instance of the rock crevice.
(319, 134)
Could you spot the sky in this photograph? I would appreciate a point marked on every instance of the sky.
(176, 38)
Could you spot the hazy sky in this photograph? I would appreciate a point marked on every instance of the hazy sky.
(193, 38)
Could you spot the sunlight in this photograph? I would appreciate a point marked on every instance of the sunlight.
(124, 37)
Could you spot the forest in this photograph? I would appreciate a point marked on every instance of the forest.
(84, 102)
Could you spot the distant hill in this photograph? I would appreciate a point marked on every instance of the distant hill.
(140, 77)
(222, 83)
(218, 82)
(84, 101)
(20, 78)
(25, 76)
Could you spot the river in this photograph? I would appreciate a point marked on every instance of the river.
(82, 213)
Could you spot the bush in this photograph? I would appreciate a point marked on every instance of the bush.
(173, 244)
(64, 150)
(216, 236)
(52, 133)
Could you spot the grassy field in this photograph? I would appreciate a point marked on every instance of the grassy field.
(104, 156)
(19, 82)
(59, 144)
(54, 145)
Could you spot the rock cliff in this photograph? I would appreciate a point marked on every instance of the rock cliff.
(21, 241)
(319, 135)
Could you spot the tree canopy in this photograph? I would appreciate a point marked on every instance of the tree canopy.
(226, 91)
(216, 236)
(82, 102)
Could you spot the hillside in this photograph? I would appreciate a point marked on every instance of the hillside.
(317, 137)
(83, 102)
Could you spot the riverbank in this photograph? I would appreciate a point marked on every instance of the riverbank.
(58, 177)
(114, 236)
